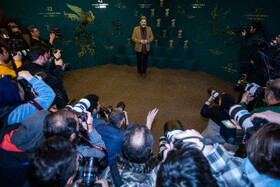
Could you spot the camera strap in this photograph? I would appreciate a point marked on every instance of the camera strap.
(36, 105)
(102, 149)
(116, 175)
(204, 141)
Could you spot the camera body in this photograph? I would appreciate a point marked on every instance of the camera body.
(255, 90)
(103, 111)
(232, 134)
(56, 31)
(215, 94)
(28, 94)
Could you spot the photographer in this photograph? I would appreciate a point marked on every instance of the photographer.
(37, 40)
(6, 64)
(19, 40)
(216, 114)
(13, 107)
(39, 57)
(260, 168)
(113, 135)
(248, 46)
(271, 98)
(258, 72)
(66, 123)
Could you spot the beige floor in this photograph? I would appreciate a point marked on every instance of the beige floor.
(178, 94)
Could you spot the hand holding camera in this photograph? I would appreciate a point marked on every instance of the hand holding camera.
(52, 36)
(247, 97)
(87, 125)
(17, 56)
(24, 74)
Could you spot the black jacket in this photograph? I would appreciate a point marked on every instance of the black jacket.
(54, 77)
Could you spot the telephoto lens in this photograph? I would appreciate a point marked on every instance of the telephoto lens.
(162, 147)
(241, 116)
(90, 171)
(172, 127)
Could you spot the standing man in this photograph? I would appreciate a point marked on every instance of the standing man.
(142, 36)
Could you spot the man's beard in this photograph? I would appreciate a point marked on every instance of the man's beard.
(143, 26)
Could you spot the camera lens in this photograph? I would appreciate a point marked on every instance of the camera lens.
(82, 105)
(90, 170)
(241, 116)
(172, 127)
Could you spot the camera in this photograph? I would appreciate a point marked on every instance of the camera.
(121, 105)
(162, 147)
(22, 53)
(56, 31)
(89, 171)
(28, 94)
(238, 136)
(241, 29)
(255, 90)
(103, 111)
(172, 127)
(241, 83)
(79, 108)
(215, 94)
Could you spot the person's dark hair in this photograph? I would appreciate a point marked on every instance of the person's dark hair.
(143, 17)
(52, 163)
(263, 150)
(30, 28)
(227, 100)
(137, 144)
(186, 166)
(11, 20)
(260, 60)
(60, 123)
(256, 25)
(36, 52)
(273, 86)
(93, 99)
(115, 118)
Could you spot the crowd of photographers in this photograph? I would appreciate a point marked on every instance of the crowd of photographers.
(47, 140)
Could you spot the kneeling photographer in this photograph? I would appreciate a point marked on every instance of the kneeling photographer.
(271, 98)
(216, 114)
(242, 116)
(39, 57)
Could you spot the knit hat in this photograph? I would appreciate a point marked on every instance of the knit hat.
(9, 93)
(227, 100)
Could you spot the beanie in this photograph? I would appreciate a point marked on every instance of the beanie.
(9, 93)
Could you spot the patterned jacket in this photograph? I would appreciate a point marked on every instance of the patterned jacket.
(130, 172)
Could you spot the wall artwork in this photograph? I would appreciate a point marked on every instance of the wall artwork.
(83, 38)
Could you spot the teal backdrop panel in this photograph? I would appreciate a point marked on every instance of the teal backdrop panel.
(190, 34)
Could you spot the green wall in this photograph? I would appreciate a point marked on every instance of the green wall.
(206, 24)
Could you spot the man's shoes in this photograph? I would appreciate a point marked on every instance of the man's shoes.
(144, 75)
(139, 75)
